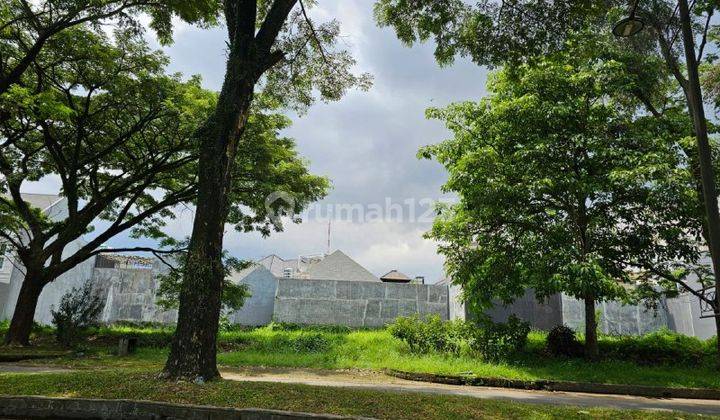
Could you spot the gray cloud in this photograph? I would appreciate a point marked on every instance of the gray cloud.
(366, 143)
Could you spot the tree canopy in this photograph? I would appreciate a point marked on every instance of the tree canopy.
(102, 116)
(562, 188)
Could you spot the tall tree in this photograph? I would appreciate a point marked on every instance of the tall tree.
(274, 44)
(557, 184)
(119, 134)
(494, 33)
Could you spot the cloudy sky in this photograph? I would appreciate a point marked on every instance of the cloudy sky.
(366, 144)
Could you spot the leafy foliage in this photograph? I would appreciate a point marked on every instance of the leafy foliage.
(79, 310)
(663, 348)
(562, 187)
(489, 32)
(498, 341)
(429, 335)
(233, 295)
(561, 341)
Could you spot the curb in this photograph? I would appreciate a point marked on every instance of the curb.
(31, 407)
(562, 386)
(12, 358)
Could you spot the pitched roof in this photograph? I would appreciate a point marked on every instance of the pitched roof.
(277, 265)
(41, 201)
(338, 266)
(395, 276)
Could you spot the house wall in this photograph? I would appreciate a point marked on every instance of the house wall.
(355, 304)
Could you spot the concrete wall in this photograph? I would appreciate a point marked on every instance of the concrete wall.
(355, 304)
(53, 292)
(541, 315)
(258, 308)
(616, 318)
(457, 309)
(130, 295)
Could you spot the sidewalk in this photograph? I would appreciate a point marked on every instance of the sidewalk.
(381, 382)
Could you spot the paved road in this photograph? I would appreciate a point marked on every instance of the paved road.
(380, 382)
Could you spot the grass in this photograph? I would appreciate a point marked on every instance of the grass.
(378, 350)
(141, 384)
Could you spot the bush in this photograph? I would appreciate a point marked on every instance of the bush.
(79, 310)
(311, 343)
(498, 341)
(561, 341)
(662, 347)
(432, 334)
(288, 326)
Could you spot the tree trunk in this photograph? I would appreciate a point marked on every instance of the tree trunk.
(591, 340)
(194, 345)
(717, 335)
(697, 109)
(22, 319)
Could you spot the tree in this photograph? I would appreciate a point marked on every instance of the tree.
(558, 186)
(119, 134)
(274, 44)
(508, 32)
(115, 130)
(27, 27)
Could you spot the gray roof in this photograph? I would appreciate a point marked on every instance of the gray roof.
(277, 265)
(238, 276)
(335, 266)
(338, 266)
(395, 275)
(41, 201)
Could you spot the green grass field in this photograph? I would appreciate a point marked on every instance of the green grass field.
(378, 350)
(141, 384)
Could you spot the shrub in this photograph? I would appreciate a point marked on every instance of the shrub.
(431, 334)
(288, 326)
(658, 348)
(79, 310)
(561, 341)
(498, 341)
(311, 343)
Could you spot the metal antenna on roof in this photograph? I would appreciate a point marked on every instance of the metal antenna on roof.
(328, 236)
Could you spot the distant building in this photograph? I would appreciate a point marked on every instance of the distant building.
(335, 266)
(395, 276)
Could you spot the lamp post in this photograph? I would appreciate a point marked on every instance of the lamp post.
(693, 95)
(629, 26)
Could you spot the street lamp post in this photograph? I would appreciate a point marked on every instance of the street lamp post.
(629, 26)
(693, 94)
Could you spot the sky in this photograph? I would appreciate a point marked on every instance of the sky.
(366, 144)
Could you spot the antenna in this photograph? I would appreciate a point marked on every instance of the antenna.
(328, 236)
